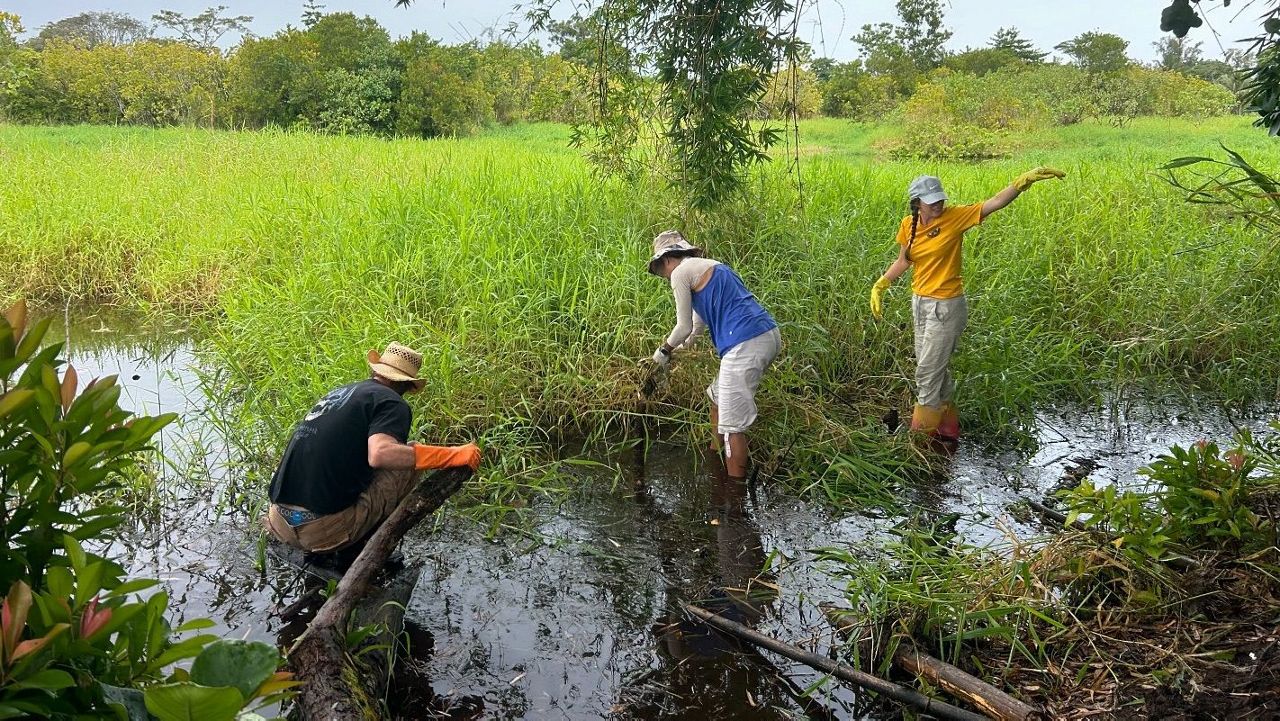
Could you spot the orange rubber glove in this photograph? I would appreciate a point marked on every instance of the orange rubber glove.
(429, 457)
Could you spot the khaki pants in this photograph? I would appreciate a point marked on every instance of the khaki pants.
(344, 528)
(938, 325)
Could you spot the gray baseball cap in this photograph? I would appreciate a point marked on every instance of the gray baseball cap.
(927, 188)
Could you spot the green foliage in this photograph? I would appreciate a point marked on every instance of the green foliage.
(340, 74)
(90, 29)
(1234, 185)
(849, 91)
(75, 638)
(981, 61)
(712, 66)
(904, 51)
(443, 93)
(1010, 40)
(793, 94)
(1199, 499)
(965, 117)
(1097, 52)
(1260, 77)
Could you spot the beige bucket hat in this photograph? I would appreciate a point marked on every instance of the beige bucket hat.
(670, 241)
(398, 363)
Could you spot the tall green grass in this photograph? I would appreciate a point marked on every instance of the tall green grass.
(521, 275)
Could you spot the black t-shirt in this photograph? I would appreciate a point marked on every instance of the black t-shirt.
(326, 464)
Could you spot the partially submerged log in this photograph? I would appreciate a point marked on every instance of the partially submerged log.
(992, 701)
(841, 671)
(334, 689)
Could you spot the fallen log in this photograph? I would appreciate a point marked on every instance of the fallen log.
(841, 671)
(334, 689)
(992, 701)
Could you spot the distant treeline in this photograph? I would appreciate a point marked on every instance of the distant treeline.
(341, 73)
(338, 73)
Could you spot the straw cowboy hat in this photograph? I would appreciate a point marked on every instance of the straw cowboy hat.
(668, 242)
(398, 363)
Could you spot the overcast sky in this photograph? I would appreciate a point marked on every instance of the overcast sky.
(828, 24)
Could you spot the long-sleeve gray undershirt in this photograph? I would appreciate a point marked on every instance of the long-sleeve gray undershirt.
(683, 278)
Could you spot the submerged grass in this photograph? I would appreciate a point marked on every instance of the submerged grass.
(521, 276)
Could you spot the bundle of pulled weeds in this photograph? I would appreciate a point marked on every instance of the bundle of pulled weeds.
(1143, 642)
(1164, 603)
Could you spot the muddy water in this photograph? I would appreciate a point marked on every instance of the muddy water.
(578, 615)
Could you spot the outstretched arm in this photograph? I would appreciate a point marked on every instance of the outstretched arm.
(1019, 184)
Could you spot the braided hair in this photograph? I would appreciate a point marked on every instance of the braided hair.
(915, 221)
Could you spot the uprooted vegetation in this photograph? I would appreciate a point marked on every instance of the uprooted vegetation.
(1157, 601)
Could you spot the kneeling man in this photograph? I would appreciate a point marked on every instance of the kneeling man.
(349, 462)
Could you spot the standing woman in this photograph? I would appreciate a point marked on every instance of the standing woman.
(710, 295)
(930, 241)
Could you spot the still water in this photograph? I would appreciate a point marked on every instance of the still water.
(577, 615)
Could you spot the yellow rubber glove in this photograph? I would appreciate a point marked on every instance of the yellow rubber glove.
(877, 292)
(1024, 181)
(429, 457)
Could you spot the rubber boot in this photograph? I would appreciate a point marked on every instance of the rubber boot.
(949, 424)
(925, 419)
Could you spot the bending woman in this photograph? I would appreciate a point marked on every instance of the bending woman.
(929, 241)
(710, 295)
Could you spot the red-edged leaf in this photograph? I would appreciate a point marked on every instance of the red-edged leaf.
(69, 382)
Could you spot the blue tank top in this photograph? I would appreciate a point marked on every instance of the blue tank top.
(731, 313)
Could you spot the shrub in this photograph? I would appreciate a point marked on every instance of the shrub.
(75, 637)
(1177, 94)
(789, 92)
(851, 92)
(965, 117)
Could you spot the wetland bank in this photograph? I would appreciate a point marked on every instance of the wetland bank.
(1143, 320)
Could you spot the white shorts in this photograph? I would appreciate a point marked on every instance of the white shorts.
(734, 391)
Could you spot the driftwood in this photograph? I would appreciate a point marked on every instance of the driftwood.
(992, 701)
(841, 671)
(334, 689)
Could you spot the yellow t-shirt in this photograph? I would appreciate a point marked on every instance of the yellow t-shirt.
(935, 254)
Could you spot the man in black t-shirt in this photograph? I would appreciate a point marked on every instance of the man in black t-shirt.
(349, 462)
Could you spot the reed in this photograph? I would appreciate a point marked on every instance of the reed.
(521, 277)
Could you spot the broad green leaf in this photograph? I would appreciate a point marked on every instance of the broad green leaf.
(50, 679)
(242, 664)
(14, 400)
(128, 699)
(195, 624)
(189, 702)
(75, 453)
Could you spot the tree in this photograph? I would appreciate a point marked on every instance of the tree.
(1097, 52)
(311, 13)
(914, 46)
(1010, 40)
(93, 29)
(1261, 79)
(980, 61)
(15, 62)
(203, 30)
(1178, 53)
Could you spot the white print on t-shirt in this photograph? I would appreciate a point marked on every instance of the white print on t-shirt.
(336, 399)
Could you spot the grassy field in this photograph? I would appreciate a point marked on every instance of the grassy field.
(521, 275)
